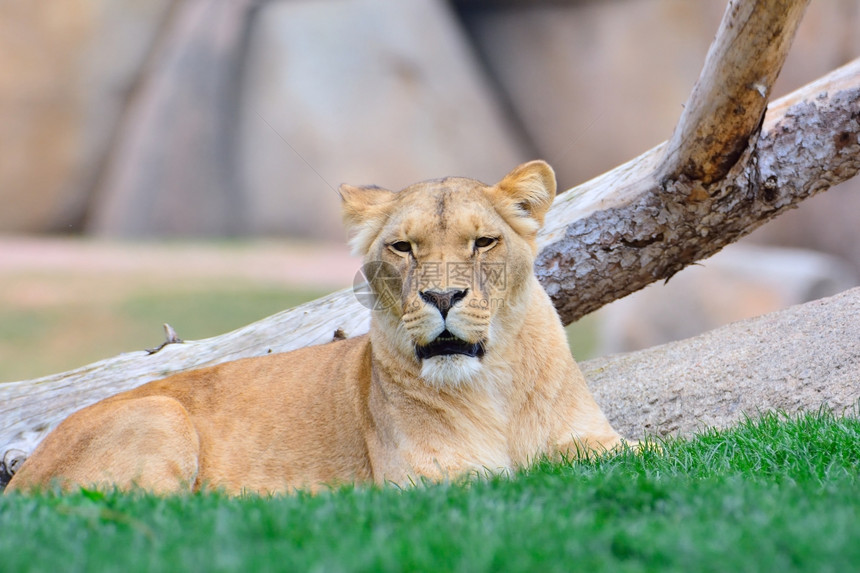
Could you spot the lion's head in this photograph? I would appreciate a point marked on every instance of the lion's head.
(450, 262)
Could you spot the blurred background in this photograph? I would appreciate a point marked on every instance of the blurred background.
(176, 160)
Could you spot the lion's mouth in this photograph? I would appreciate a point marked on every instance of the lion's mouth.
(446, 344)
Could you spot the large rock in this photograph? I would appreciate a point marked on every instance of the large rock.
(329, 92)
(800, 358)
(173, 169)
(122, 115)
(66, 67)
(741, 281)
(364, 92)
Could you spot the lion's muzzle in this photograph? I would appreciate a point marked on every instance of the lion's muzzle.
(446, 344)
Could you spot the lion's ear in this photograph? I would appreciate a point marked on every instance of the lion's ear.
(364, 211)
(525, 195)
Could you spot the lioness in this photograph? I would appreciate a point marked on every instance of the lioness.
(466, 368)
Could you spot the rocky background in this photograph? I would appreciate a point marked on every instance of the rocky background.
(239, 118)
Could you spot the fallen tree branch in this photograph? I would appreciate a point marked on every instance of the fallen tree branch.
(603, 240)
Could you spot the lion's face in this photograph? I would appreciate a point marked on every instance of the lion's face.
(450, 262)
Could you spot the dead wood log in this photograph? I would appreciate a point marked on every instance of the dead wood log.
(603, 240)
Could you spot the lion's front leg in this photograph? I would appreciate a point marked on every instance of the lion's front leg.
(586, 430)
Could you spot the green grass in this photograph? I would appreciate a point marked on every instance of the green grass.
(773, 494)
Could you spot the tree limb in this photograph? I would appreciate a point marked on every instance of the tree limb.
(728, 101)
(625, 229)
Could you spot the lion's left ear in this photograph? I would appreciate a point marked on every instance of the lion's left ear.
(364, 212)
(525, 195)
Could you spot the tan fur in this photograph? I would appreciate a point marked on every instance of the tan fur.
(369, 408)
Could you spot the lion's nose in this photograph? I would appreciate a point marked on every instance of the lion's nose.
(443, 300)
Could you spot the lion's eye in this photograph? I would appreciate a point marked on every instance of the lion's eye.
(484, 242)
(402, 246)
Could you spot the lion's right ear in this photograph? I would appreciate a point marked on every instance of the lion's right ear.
(525, 195)
(365, 209)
